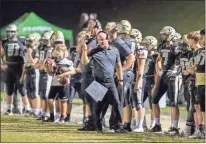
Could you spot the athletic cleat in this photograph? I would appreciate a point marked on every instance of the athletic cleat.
(50, 119)
(185, 134)
(127, 127)
(138, 129)
(86, 128)
(61, 120)
(45, 118)
(8, 112)
(173, 131)
(156, 128)
(111, 131)
(196, 135)
(16, 111)
(120, 130)
(28, 113)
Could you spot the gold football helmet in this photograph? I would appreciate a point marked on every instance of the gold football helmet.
(33, 40)
(45, 39)
(137, 35)
(124, 27)
(165, 32)
(57, 37)
(174, 37)
(150, 42)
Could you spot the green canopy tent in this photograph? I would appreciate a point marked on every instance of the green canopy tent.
(30, 22)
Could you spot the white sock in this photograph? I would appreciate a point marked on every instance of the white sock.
(133, 120)
(9, 106)
(157, 121)
(36, 112)
(137, 122)
(141, 123)
(27, 107)
(175, 123)
(152, 123)
(47, 114)
(57, 116)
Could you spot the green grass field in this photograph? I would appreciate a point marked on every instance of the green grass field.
(21, 129)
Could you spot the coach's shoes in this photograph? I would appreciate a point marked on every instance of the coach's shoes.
(8, 112)
(156, 128)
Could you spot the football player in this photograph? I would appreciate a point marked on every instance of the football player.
(61, 69)
(146, 58)
(198, 69)
(166, 81)
(13, 66)
(45, 52)
(124, 28)
(31, 71)
(188, 83)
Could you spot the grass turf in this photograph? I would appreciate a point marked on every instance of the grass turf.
(21, 129)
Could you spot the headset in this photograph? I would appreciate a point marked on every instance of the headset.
(97, 23)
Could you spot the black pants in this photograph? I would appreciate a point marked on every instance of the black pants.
(12, 78)
(15, 97)
(169, 84)
(111, 98)
(147, 88)
(201, 95)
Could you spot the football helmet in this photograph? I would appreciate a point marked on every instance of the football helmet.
(137, 35)
(11, 31)
(165, 32)
(150, 42)
(124, 27)
(174, 37)
(33, 40)
(45, 39)
(57, 37)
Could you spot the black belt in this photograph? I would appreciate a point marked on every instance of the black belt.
(104, 80)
